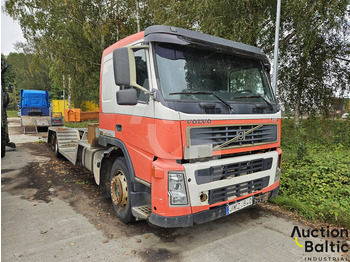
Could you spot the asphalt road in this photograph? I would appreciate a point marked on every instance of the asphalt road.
(52, 211)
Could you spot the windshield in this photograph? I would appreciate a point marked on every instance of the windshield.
(185, 69)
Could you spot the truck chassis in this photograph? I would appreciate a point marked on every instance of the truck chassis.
(109, 166)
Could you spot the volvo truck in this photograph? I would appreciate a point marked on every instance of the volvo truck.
(189, 128)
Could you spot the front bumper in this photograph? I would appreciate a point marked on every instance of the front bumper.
(199, 217)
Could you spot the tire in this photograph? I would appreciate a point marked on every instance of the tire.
(120, 190)
(52, 143)
(55, 147)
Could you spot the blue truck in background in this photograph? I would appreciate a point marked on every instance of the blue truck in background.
(34, 103)
(35, 111)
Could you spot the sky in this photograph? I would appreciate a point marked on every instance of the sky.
(10, 32)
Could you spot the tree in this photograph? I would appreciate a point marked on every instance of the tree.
(30, 72)
(9, 79)
(311, 72)
(314, 41)
(25, 71)
(250, 22)
(74, 33)
(314, 38)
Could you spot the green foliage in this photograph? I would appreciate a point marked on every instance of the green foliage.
(73, 34)
(312, 68)
(26, 71)
(10, 79)
(315, 131)
(30, 72)
(78, 124)
(314, 42)
(243, 21)
(316, 169)
(56, 92)
(11, 113)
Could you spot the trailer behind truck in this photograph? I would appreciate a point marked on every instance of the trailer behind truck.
(189, 128)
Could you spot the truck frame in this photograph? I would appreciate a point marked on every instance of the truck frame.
(189, 128)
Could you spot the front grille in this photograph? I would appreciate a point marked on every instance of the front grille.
(238, 190)
(241, 135)
(216, 173)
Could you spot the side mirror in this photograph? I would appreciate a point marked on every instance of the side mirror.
(124, 66)
(122, 69)
(127, 97)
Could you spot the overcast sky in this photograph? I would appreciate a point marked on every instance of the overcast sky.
(10, 32)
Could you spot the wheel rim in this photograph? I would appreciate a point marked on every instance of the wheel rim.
(119, 190)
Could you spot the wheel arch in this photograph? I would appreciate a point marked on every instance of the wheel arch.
(116, 149)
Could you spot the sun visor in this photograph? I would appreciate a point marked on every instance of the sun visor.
(165, 38)
(174, 35)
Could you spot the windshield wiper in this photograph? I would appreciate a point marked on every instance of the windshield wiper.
(206, 93)
(256, 96)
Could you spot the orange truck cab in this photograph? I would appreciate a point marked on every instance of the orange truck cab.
(197, 121)
(189, 128)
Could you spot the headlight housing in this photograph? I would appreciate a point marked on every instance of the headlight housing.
(177, 188)
(278, 174)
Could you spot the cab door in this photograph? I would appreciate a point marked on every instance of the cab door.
(130, 124)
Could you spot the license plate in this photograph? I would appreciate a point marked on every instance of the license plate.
(239, 205)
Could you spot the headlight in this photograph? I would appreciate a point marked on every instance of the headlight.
(177, 189)
(278, 174)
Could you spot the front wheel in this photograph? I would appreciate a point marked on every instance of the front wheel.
(120, 190)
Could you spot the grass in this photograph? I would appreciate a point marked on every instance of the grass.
(78, 124)
(315, 178)
(11, 113)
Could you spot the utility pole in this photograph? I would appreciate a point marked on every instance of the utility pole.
(64, 97)
(69, 103)
(137, 15)
(275, 54)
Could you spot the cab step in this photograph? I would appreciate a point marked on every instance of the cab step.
(141, 212)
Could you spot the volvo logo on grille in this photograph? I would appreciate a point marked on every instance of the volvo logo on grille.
(241, 135)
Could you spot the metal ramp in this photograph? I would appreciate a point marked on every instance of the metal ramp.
(67, 139)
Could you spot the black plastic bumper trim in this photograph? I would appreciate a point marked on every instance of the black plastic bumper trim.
(167, 222)
(196, 218)
(274, 192)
